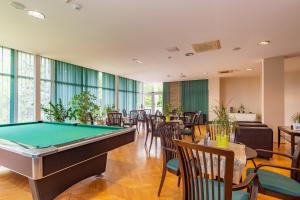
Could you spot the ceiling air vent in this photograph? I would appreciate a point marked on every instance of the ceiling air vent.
(207, 46)
(227, 71)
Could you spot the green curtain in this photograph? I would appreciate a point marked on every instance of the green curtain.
(166, 93)
(129, 91)
(194, 96)
(90, 81)
(68, 81)
(108, 89)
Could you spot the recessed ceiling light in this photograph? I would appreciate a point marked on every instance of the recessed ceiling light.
(17, 5)
(36, 14)
(76, 6)
(189, 54)
(236, 49)
(137, 61)
(265, 42)
(249, 69)
(205, 73)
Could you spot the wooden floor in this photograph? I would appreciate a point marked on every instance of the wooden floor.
(132, 173)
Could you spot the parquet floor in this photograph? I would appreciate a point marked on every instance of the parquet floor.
(132, 174)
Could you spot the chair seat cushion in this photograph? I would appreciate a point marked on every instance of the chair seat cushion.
(277, 183)
(236, 195)
(186, 132)
(173, 164)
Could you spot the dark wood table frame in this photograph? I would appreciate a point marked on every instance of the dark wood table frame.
(292, 133)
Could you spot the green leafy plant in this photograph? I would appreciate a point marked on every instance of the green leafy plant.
(85, 108)
(167, 109)
(222, 120)
(57, 112)
(296, 117)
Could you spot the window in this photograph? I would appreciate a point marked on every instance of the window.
(47, 83)
(129, 94)
(25, 80)
(153, 96)
(5, 85)
(108, 90)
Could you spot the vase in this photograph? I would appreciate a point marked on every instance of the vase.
(222, 140)
(168, 118)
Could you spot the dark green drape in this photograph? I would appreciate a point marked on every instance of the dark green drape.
(128, 94)
(72, 79)
(108, 89)
(194, 96)
(166, 93)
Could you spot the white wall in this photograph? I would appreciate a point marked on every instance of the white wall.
(242, 90)
(291, 89)
(213, 96)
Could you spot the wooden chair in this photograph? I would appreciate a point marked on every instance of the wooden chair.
(190, 129)
(158, 113)
(169, 132)
(141, 119)
(124, 112)
(114, 119)
(202, 181)
(133, 119)
(188, 119)
(277, 185)
(155, 121)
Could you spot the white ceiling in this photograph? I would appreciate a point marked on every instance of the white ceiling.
(107, 34)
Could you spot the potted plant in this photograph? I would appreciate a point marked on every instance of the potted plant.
(222, 125)
(167, 112)
(57, 112)
(296, 120)
(85, 108)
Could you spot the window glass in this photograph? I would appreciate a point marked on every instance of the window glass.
(5, 78)
(25, 87)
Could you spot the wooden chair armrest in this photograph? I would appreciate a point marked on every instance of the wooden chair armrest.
(273, 152)
(276, 166)
(169, 149)
(250, 182)
(246, 183)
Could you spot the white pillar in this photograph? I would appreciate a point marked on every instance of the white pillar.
(213, 96)
(37, 88)
(117, 92)
(273, 93)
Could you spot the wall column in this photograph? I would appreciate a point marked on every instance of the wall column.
(37, 88)
(117, 92)
(213, 96)
(273, 93)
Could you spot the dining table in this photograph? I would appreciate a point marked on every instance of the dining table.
(242, 154)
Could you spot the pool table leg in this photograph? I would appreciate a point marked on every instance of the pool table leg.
(49, 187)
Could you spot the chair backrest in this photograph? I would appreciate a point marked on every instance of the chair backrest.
(133, 116)
(158, 113)
(169, 131)
(114, 119)
(296, 163)
(124, 112)
(155, 121)
(200, 167)
(188, 116)
(141, 115)
(148, 111)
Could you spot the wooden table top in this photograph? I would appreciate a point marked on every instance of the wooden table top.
(288, 129)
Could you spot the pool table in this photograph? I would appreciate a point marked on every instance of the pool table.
(54, 156)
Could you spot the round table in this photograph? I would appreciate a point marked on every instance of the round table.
(250, 154)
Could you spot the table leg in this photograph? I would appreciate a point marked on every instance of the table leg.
(278, 137)
(292, 144)
(51, 186)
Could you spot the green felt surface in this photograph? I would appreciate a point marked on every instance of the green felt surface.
(41, 135)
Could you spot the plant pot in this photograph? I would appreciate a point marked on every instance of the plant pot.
(222, 140)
